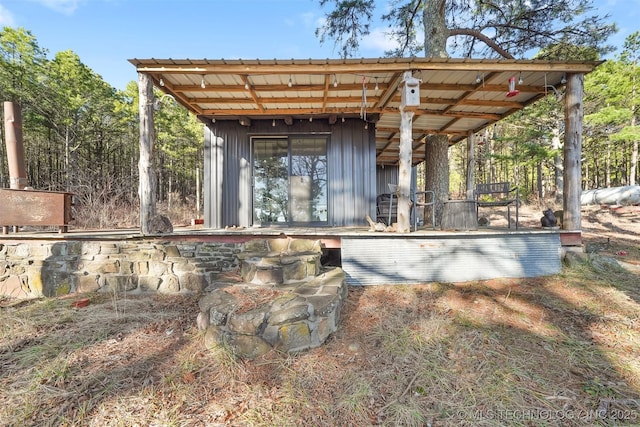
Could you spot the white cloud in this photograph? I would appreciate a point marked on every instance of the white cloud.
(308, 19)
(379, 39)
(66, 7)
(6, 18)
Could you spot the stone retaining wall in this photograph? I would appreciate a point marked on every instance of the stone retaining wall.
(283, 299)
(42, 268)
(280, 261)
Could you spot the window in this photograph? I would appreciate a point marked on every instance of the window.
(290, 180)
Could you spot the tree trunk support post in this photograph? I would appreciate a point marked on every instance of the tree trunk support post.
(410, 102)
(146, 187)
(404, 171)
(573, 152)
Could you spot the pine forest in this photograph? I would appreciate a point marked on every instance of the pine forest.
(81, 135)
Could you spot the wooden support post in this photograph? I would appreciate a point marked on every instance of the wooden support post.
(410, 101)
(147, 185)
(573, 152)
(471, 164)
(404, 171)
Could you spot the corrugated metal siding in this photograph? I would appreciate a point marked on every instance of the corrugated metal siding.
(352, 172)
(228, 169)
(402, 260)
(385, 175)
(227, 157)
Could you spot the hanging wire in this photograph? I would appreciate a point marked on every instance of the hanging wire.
(363, 107)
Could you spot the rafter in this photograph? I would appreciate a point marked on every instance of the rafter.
(453, 101)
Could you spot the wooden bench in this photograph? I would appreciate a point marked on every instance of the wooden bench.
(497, 194)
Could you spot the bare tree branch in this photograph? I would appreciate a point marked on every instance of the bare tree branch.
(479, 36)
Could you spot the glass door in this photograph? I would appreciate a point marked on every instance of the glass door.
(290, 180)
(308, 180)
(270, 180)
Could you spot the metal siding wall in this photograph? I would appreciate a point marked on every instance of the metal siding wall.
(228, 169)
(213, 174)
(378, 261)
(368, 157)
(229, 154)
(336, 181)
(208, 161)
(237, 185)
(384, 176)
(389, 175)
(352, 169)
(342, 182)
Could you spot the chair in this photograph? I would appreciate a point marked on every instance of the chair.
(498, 194)
(393, 189)
(383, 208)
(387, 211)
(387, 206)
(429, 197)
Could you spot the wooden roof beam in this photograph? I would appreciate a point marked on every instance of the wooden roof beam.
(252, 93)
(273, 87)
(261, 101)
(387, 93)
(325, 95)
(352, 67)
(424, 133)
(340, 111)
(390, 92)
(387, 145)
(467, 114)
(282, 100)
(183, 100)
(258, 100)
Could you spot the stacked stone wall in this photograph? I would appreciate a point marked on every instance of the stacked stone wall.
(302, 309)
(31, 269)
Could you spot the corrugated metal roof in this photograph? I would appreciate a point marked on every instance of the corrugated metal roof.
(457, 95)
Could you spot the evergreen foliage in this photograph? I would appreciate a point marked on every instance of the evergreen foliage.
(81, 135)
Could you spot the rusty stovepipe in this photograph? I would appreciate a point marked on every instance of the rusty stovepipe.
(15, 147)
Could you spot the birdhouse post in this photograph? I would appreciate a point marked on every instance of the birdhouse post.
(410, 101)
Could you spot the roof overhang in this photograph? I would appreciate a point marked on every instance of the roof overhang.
(457, 96)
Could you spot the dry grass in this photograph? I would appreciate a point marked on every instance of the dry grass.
(114, 213)
(555, 351)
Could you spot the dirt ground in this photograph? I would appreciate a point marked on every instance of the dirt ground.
(429, 354)
(603, 230)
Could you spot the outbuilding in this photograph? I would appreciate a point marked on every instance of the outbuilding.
(313, 142)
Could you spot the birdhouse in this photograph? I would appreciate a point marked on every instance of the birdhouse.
(410, 91)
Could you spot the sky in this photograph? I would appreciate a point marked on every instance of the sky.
(105, 34)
